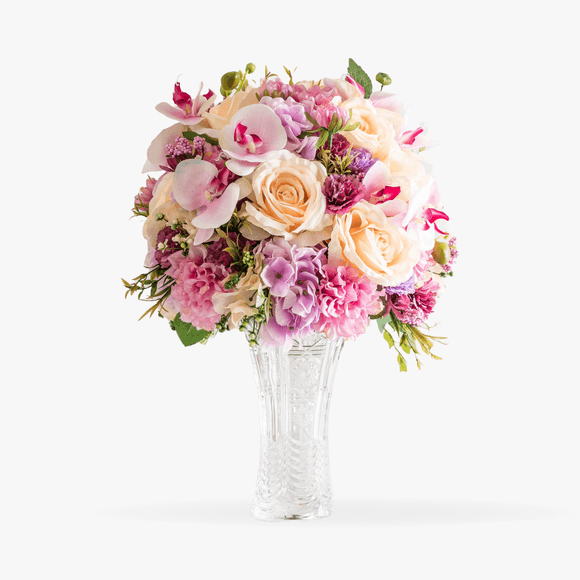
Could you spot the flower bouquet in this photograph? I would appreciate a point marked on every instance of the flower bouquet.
(295, 212)
(290, 208)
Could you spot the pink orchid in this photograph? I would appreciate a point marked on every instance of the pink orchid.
(187, 111)
(200, 185)
(255, 134)
(157, 152)
(414, 140)
(381, 190)
(420, 220)
(388, 101)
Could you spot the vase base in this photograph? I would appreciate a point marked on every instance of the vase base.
(279, 515)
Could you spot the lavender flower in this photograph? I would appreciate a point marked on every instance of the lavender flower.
(293, 117)
(362, 161)
(403, 288)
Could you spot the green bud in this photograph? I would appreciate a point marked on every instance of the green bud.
(441, 253)
(160, 216)
(231, 80)
(224, 93)
(383, 79)
(250, 67)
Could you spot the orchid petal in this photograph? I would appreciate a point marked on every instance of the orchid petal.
(240, 167)
(220, 210)
(156, 154)
(376, 178)
(389, 101)
(202, 236)
(177, 114)
(192, 180)
(262, 122)
(419, 197)
(350, 80)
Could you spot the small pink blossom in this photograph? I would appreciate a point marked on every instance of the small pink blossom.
(145, 195)
(197, 280)
(324, 113)
(346, 299)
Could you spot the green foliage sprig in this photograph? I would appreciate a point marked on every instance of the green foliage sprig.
(409, 339)
(155, 284)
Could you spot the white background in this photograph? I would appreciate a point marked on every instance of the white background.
(124, 455)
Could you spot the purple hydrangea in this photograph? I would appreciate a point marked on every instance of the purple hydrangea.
(362, 161)
(292, 274)
(293, 118)
(342, 192)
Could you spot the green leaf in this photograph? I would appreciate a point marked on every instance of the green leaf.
(351, 126)
(361, 77)
(402, 363)
(333, 123)
(322, 139)
(389, 338)
(191, 135)
(187, 333)
(382, 322)
(311, 119)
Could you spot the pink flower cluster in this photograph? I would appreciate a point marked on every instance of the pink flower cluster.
(346, 299)
(196, 281)
(288, 208)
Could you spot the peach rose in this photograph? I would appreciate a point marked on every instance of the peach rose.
(365, 238)
(220, 115)
(377, 129)
(287, 200)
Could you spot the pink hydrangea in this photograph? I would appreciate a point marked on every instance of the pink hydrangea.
(197, 280)
(346, 300)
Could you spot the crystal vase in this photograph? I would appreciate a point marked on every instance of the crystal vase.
(294, 389)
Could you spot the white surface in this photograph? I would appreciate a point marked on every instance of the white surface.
(124, 455)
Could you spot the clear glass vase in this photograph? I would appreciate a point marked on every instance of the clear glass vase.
(294, 389)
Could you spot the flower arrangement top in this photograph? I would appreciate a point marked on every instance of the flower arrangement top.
(289, 208)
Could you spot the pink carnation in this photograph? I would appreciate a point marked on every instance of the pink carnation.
(197, 281)
(346, 300)
(415, 308)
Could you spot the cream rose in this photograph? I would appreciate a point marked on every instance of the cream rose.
(163, 204)
(365, 238)
(377, 127)
(287, 200)
(243, 301)
(220, 115)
